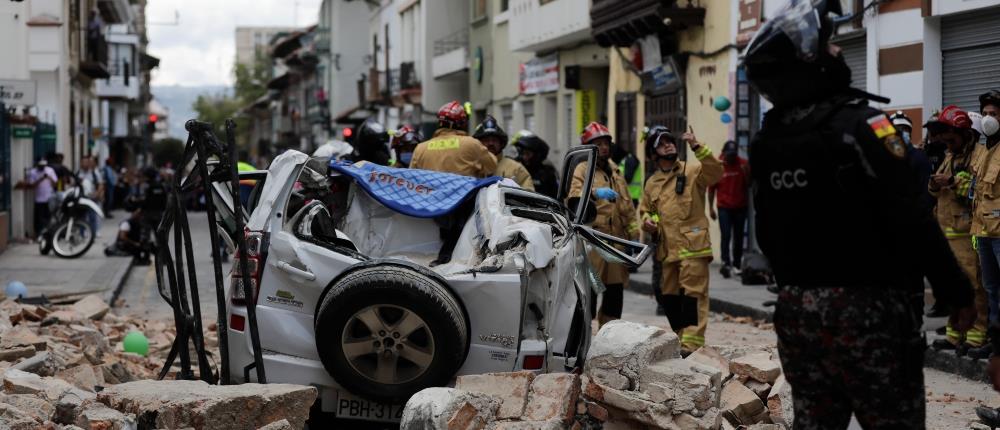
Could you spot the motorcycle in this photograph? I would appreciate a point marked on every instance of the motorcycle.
(68, 234)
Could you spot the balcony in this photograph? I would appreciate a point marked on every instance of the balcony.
(122, 84)
(540, 25)
(621, 22)
(408, 78)
(451, 55)
(95, 63)
(116, 11)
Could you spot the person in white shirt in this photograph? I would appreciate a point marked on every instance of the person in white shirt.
(43, 180)
(93, 188)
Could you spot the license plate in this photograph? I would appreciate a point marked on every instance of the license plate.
(352, 407)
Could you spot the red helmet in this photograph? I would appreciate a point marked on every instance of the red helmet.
(406, 135)
(452, 115)
(953, 116)
(593, 131)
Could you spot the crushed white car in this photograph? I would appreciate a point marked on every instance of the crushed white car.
(346, 301)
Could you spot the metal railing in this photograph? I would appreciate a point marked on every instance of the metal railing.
(451, 42)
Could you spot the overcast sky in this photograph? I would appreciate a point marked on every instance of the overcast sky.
(200, 50)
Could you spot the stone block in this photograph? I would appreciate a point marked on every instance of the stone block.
(622, 348)
(758, 366)
(448, 408)
(779, 402)
(91, 307)
(739, 402)
(553, 397)
(711, 357)
(510, 388)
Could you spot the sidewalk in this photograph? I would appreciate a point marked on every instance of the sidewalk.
(732, 297)
(92, 273)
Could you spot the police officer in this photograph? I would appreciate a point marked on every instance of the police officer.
(451, 149)
(673, 208)
(839, 218)
(533, 153)
(615, 216)
(950, 186)
(372, 143)
(495, 139)
(404, 142)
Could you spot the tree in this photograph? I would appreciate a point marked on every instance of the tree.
(250, 84)
(216, 109)
(168, 150)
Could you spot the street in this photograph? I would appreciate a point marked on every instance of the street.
(951, 399)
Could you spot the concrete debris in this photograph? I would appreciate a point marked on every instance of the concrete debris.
(448, 408)
(633, 379)
(198, 405)
(758, 366)
(511, 389)
(55, 359)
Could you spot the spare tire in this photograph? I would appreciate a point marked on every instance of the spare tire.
(387, 331)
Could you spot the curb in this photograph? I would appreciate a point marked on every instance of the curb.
(118, 283)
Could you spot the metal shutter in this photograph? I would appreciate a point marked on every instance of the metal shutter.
(970, 51)
(856, 54)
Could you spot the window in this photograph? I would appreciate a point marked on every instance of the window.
(478, 9)
(544, 2)
(507, 116)
(528, 110)
(504, 5)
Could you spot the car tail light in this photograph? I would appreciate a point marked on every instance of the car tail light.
(533, 362)
(237, 322)
(256, 253)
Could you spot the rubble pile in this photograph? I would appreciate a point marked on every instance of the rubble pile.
(634, 378)
(64, 367)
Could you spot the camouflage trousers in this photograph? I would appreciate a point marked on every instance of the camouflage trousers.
(857, 351)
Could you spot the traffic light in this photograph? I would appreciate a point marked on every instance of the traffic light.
(348, 134)
(151, 125)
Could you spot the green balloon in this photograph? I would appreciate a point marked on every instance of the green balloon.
(136, 343)
(721, 103)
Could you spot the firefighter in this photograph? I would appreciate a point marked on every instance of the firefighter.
(615, 216)
(673, 208)
(404, 142)
(839, 217)
(950, 186)
(495, 139)
(533, 153)
(451, 149)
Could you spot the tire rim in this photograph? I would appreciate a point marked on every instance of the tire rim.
(388, 344)
(78, 236)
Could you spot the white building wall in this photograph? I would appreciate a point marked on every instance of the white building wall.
(441, 18)
(347, 20)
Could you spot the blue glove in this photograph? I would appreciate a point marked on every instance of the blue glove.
(606, 194)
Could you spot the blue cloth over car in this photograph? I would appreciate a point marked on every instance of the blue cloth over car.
(417, 193)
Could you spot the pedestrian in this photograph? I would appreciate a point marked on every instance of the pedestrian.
(452, 150)
(404, 142)
(615, 216)
(43, 180)
(838, 216)
(491, 135)
(92, 183)
(533, 153)
(730, 195)
(63, 174)
(111, 181)
(950, 185)
(673, 208)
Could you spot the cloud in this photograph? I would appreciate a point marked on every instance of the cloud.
(200, 50)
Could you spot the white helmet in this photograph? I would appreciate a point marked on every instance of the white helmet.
(977, 122)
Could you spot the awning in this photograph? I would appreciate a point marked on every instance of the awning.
(148, 62)
(280, 82)
(622, 22)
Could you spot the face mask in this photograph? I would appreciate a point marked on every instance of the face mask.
(906, 138)
(671, 157)
(406, 157)
(990, 126)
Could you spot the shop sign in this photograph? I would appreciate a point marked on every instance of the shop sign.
(585, 102)
(17, 92)
(22, 132)
(540, 75)
(750, 20)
